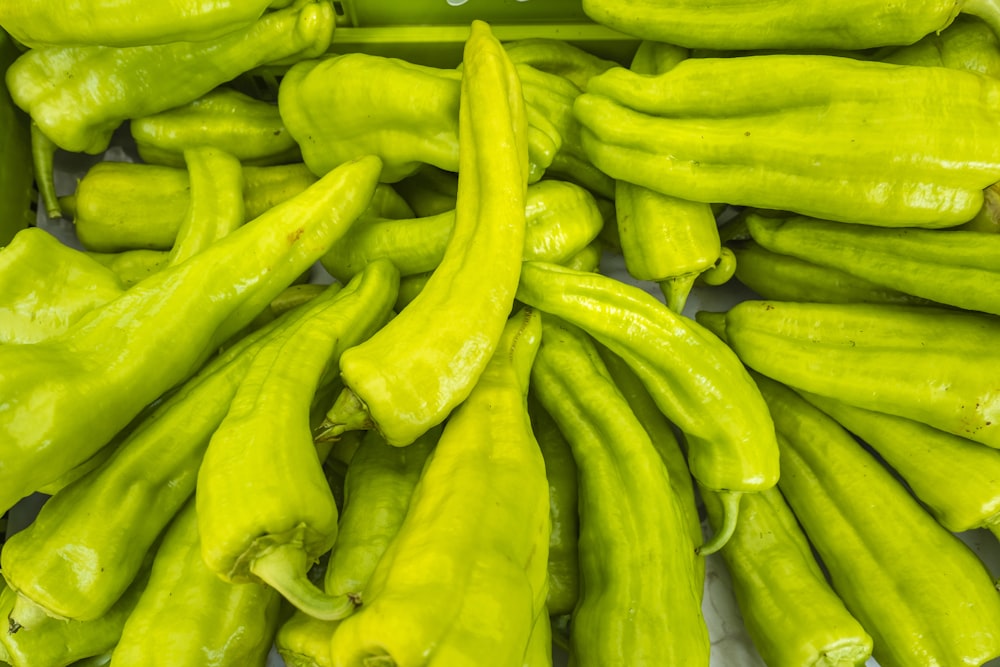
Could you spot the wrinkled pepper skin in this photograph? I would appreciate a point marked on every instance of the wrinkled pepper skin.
(952, 267)
(696, 380)
(172, 322)
(466, 573)
(188, 617)
(79, 95)
(933, 365)
(413, 372)
(104, 22)
(640, 601)
(76, 566)
(266, 513)
(931, 461)
(47, 286)
(226, 119)
(921, 593)
(785, 24)
(561, 219)
(131, 205)
(901, 145)
(17, 193)
(773, 571)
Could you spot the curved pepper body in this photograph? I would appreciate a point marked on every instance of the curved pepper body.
(557, 56)
(304, 641)
(640, 601)
(929, 364)
(922, 594)
(671, 133)
(465, 574)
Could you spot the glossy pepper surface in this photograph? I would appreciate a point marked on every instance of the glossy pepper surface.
(893, 150)
(465, 575)
(415, 370)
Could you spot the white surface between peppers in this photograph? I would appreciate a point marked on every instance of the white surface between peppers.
(731, 646)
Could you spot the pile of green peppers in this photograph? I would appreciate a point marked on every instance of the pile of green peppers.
(341, 359)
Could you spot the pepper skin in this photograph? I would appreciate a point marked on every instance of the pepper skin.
(304, 641)
(921, 593)
(266, 513)
(899, 145)
(188, 617)
(695, 379)
(968, 43)
(226, 119)
(125, 354)
(640, 601)
(412, 373)
(17, 193)
(466, 573)
(933, 365)
(557, 56)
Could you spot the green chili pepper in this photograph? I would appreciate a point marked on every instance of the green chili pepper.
(670, 133)
(464, 579)
(17, 193)
(47, 286)
(561, 473)
(79, 95)
(126, 353)
(560, 220)
(773, 572)
(187, 615)
(695, 379)
(919, 591)
(933, 365)
(132, 266)
(412, 373)
(952, 267)
(782, 277)
(732, 24)
(930, 461)
(557, 56)
(640, 601)
(304, 641)
(223, 118)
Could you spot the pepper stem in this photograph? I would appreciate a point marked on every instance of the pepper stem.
(43, 152)
(347, 414)
(730, 511)
(676, 290)
(285, 568)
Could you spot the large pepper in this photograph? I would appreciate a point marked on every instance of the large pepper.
(188, 617)
(695, 379)
(784, 24)
(561, 219)
(464, 579)
(125, 354)
(953, 267)
(412, 373)
(17, 192)
(933, 365)
(640, 601)
(224, 118)
(922, 594)
(892, 145)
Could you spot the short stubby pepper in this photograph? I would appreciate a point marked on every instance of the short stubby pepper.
(464, 579)
(890, 145)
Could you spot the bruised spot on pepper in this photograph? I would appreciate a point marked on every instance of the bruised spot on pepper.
(295, 235)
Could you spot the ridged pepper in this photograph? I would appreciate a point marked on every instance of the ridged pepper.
(917, 589)
(560, 220)
(412, 373)
(223, 118)
(464, 579)
(931, 461)
(899, 145)
(640, 601)
(126, 353)
(406, 131)
(953, 267)
(784, 24)
(127, 22)
(933, 365)
(267, 513)
(187, 617)
(79, 95)
(696, 380)
(793, 616)
(17, 192)
(47, 286)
